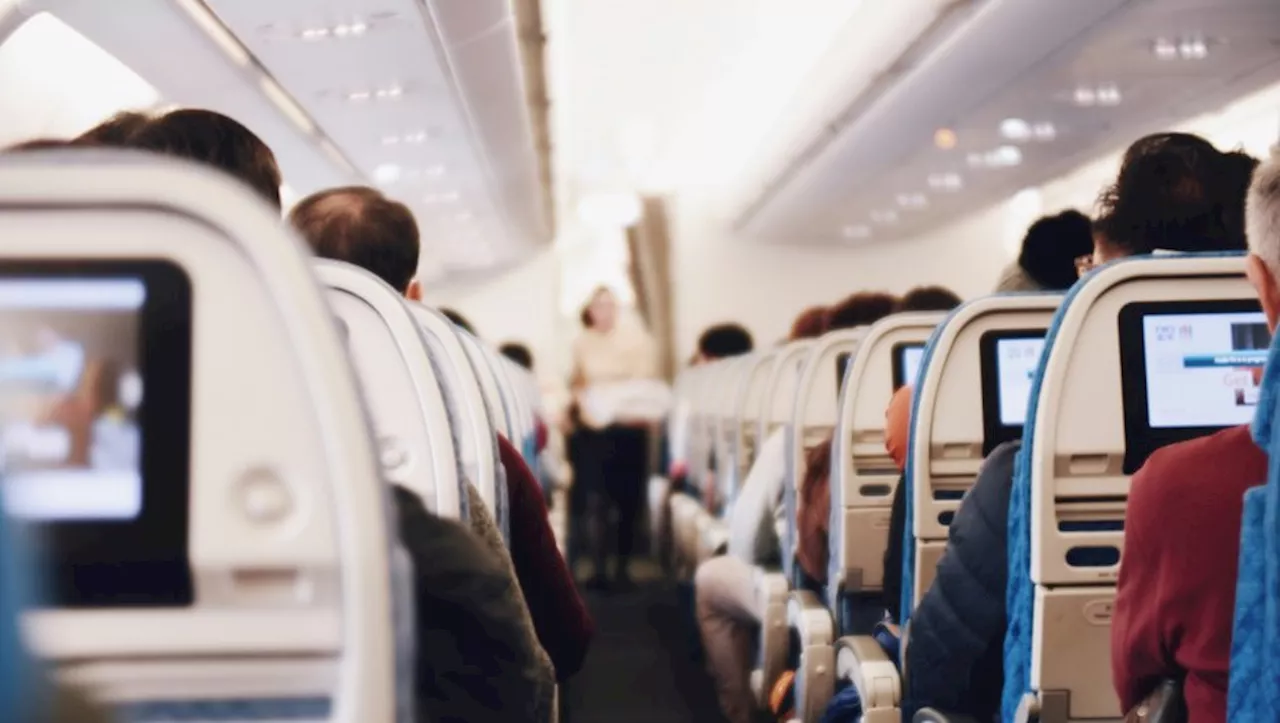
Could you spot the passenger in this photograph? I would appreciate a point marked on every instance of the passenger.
(1171, 193)
(1047, 261)
(723, 341)
(728, 616)
(360, 225)
(611, 457)
(814, 514)
(518, 353)
(214, 139)
(459, 320)
(1175, 599)
(115, 132)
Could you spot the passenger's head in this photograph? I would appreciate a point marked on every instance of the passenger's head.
(929, 298)
(1052, 245)
(38, 144)
(361, 226)
(814, 513)
(1174, 192)
(518, 353)
(724, 340)
(601, 312)
(861, 309)
(216, 140)
(458, 320)
(811, 323)
(117, 131)
(1262, 221)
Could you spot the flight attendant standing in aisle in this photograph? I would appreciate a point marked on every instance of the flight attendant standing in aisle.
(611, 447)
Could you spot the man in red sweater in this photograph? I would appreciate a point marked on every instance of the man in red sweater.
(1175, 602)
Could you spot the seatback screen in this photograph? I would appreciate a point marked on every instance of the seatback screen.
(1016, 363)
(1008, 360)
(1188, 369)
(94, 425)
(1203, 370)
(906, 364)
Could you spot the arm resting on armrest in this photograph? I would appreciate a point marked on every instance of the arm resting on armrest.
(861, 660)
(929, 715)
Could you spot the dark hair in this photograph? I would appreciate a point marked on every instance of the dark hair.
(117, 131)
(518, 353)
(1175, 191)
(216, 140)
(811, 322)
(929, 298)
(38, 144)
(458, 320)
(725, 340)
(361, 226)
(1051, 246)
(814, 514)
(861, 309)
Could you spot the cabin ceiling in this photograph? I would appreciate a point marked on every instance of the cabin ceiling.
(424, 98)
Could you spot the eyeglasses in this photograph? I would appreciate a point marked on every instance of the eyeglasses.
(1085, 264)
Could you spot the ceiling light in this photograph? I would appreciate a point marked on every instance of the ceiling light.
(949, 182)
(1004, 156)
(1108, 95)
(353, 29)
(1193, 49)
(1164, 49)
(912, 201)
(944, 138)
(856, 231)
(1044, 131)
(387, 173)
(976, 160)
(1015, 129)
(358, 96)
(313, 34)
(885, 217)
(393, 92)
(414, 138)
(1085, 97)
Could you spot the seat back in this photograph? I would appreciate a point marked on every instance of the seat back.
(476, 445)
(737, 371)
(504, 419)
(1104, 397)
(813, 414)
(779, 402)
(1252, 693)
(747, 412)
(968, 399)
(407, 408)
(237, 544)
(865, 477)
(704, 466)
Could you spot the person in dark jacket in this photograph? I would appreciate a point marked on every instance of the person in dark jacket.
(475, 662)
(955, 658)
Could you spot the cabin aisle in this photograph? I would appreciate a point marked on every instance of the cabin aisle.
(641, 667)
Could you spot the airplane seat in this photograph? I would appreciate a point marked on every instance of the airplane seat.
(772, 586)
(238, 551)
(499, 417)
(1252, 692)
(713, 527)
(747, 413)
(864, 479)
(406, 399)
(1103, 399)
(813, 420)
(476, 445)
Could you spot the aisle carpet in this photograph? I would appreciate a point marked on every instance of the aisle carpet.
(643, 666)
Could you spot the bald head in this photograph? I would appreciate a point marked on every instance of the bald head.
(360, 226)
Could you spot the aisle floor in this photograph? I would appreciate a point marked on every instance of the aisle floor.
(642, 667)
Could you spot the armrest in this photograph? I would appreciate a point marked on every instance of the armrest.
(929, 715)
(861, 660)
(771, 588)
(810, 618)
(713, 535)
